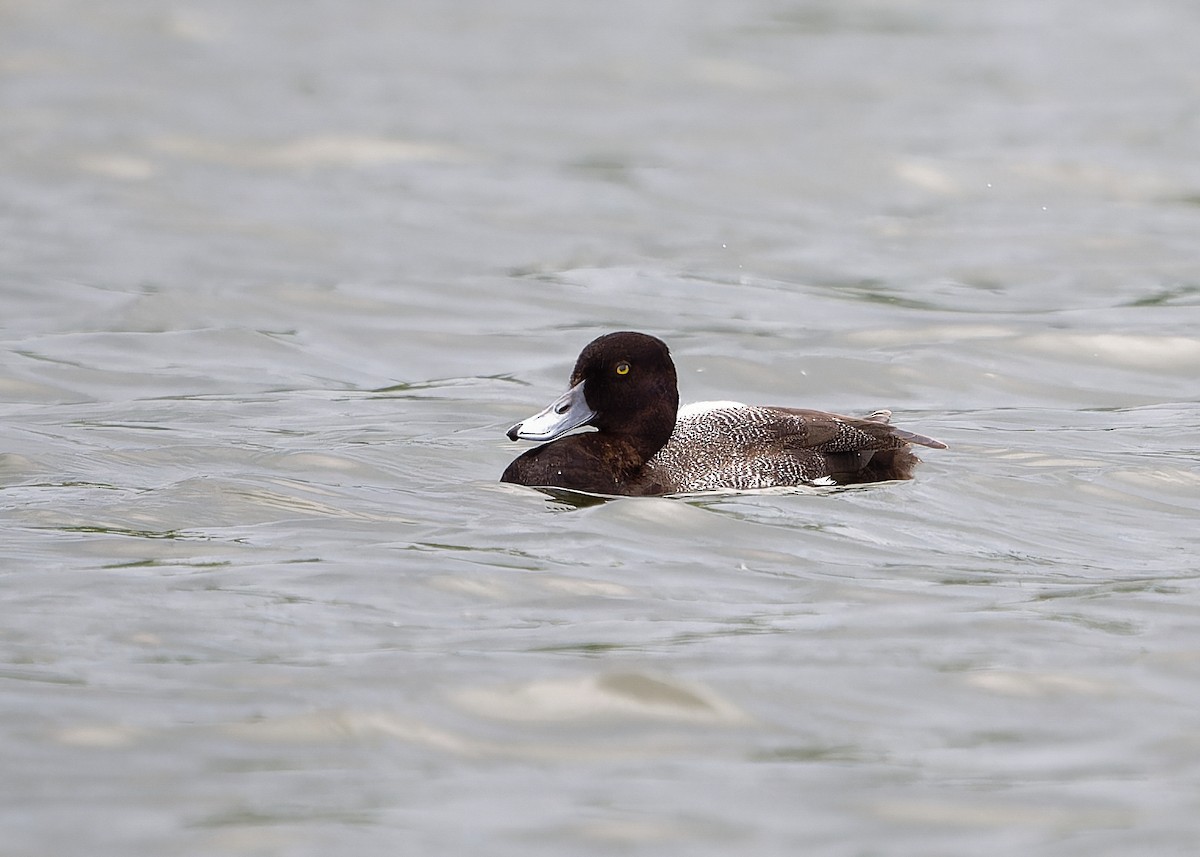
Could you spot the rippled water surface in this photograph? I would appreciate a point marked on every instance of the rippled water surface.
(277, 276)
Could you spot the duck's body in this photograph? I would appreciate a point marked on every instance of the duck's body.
(624, 384)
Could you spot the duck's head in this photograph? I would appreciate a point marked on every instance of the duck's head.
(623, 383)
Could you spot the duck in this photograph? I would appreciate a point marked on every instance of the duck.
(624, 385)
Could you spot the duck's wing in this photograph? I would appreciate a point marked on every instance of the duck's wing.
(850, 449)
(824, 431)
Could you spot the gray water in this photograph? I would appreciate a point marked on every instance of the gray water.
(276, 276)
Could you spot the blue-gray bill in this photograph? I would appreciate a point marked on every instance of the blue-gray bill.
(568, 411)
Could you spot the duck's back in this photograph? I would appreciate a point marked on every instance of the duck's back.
(727, 445)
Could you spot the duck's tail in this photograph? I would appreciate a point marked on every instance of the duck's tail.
(883, 415)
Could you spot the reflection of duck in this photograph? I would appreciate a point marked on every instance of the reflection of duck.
(624, 384)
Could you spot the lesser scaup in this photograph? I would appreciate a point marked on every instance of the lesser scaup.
(624, 385)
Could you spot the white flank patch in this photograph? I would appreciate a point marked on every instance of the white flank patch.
(696, 408)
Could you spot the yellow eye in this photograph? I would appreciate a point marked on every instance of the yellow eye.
(622, 368)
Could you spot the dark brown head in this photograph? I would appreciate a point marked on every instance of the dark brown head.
(624, 384)
(629, 381)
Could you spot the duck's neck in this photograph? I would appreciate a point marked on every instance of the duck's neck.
(650, 431)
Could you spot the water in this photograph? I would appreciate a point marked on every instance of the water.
(277, 276)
